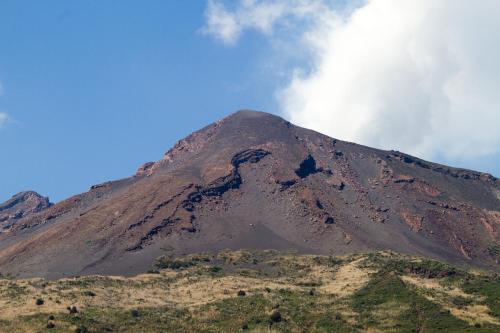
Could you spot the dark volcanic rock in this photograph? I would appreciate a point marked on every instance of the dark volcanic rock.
(21, 205)
(253, 180)
(307, 167)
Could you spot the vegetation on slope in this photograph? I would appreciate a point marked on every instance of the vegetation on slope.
(258, 292)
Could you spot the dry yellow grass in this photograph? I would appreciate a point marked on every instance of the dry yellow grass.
(474, 314)
(471, 313)
(346, 280)
(330, 282)
(433, 284)
(182, 289)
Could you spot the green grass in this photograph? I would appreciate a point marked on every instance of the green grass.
(488, 287)
(419, 314)
(494, 251)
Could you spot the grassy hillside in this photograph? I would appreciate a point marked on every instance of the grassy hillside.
(261, 292)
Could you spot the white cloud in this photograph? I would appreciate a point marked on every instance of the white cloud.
(4, 117)
(227, 24)
(220, 23)
(420, 76)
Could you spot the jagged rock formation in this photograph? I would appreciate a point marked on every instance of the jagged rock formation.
(255, 181)
(20, 206)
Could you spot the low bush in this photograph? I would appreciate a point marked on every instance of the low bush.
(72, 309)
(426, 268)
(88, 293)
(81, 329)
(164, 262)
(275, 316)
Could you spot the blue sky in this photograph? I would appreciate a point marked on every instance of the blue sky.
(93, 89)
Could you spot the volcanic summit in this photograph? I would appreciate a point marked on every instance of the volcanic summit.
(255, 181)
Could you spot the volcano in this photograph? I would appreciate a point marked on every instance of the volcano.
(255, 181)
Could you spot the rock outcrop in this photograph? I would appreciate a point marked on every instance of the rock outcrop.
(19, 206)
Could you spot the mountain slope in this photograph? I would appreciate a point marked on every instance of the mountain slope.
(255, 181)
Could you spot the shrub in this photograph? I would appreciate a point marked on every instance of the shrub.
(241, 293)
(276, 316)
(39, 301)
(81, 329)
(135, 313)
(215, 269)
(460, 301)
(494, 251)
(153, 271)
(72, 309)
(426, 268)
(88, 293)
(163, 262)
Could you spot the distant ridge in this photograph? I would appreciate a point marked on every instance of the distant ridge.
(20, 206)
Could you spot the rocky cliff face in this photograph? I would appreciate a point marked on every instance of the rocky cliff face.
(255, 181)
(19, 206)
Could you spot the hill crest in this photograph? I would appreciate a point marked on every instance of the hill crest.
(253, 180)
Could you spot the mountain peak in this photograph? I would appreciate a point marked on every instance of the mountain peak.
(253, 180)
(250, 118)
(248, 113)
(21, 205)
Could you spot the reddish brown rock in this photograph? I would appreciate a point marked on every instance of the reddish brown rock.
(255, 181)
(414, 221)
(145, 169)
